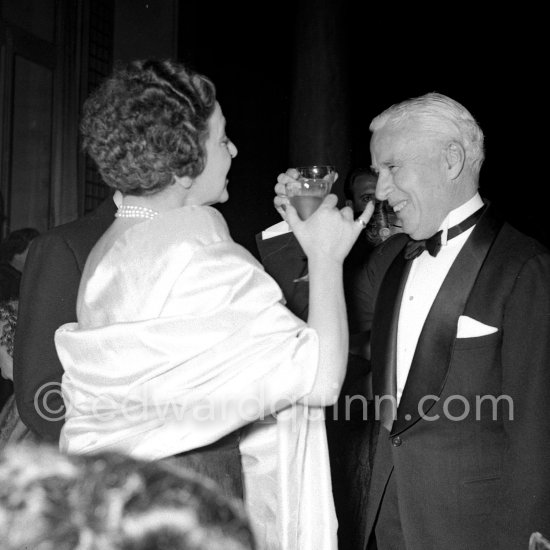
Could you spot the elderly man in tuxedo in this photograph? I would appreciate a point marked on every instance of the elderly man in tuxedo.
(459, 306)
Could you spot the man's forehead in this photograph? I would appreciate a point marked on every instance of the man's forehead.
(393, 142)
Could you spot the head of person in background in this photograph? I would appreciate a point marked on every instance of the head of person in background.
(50, 500)
(360, 189)
(15, 247)
(428, 153)
(13, 253)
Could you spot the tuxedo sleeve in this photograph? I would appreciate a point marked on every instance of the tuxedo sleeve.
(526, 380)
(283, 259)
(49, 290)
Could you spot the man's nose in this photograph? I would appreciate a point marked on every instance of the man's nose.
(383, 187)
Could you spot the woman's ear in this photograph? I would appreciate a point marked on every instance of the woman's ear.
(455, 157)
(185, 182)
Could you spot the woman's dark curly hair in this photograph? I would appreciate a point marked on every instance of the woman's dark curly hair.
(148, 123)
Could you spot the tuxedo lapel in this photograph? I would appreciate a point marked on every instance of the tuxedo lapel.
(431, 360)
(384, 337)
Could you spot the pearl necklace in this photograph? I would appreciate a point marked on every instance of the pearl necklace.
(132, 211)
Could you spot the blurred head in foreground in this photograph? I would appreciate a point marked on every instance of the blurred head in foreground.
(110, 502)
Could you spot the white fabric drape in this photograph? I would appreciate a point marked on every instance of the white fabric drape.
(181, 339)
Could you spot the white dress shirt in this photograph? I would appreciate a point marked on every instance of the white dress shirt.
(425, 279)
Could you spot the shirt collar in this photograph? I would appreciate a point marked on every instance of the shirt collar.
(459, 214)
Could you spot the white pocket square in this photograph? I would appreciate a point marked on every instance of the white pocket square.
(470, 328)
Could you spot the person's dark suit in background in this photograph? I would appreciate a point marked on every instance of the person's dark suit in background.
(49, 288)
(454, 331)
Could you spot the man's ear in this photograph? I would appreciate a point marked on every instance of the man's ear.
(455, 156)
(349, 203)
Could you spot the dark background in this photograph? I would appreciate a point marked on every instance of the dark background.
(494, 66)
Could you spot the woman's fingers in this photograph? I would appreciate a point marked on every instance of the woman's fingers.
(291, 216)
(280, 204)
(292, 173)
(330, 201)
(365, 216)
(347, 213)
(280, 189)
(281, 200)
(289, 176)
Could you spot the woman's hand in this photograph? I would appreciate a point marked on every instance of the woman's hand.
(281, 200)
(328, 233)
(326, 237)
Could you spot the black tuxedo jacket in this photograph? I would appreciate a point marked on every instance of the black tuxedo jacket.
(283, 258)
(49, 289)
(470, 446)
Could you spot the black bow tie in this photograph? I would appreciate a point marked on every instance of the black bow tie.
(414, 248)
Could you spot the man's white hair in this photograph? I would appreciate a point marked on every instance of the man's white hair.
(441, 116)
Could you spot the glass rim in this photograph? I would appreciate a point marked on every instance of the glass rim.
(311, 166)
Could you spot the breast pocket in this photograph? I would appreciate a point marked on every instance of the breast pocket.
(475, 366)
(489, 340)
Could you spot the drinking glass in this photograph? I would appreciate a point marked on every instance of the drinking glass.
(308, 191)
(312, 186)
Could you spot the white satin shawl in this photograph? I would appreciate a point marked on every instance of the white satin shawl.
(181, 339)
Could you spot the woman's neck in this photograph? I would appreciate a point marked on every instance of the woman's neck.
(167, 199)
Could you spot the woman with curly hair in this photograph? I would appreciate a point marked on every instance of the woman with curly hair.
(183, 346)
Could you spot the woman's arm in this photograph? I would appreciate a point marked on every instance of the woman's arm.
(326, 237)
(327, 315)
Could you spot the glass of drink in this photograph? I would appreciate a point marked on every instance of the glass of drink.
(312, 186)
(308, 191)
